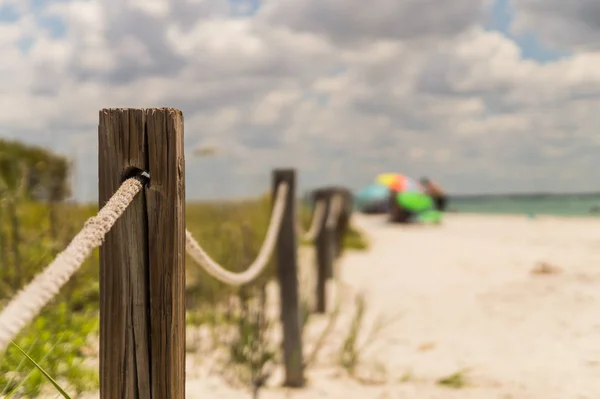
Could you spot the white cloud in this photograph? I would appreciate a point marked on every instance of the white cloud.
(338, 89)
(352, 22)
(572, 25)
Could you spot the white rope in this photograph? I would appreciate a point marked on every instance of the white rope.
(316, 222)
(23, 308)
(256, 268)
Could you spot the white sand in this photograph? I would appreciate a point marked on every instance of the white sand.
(469, 301)
(467, 288)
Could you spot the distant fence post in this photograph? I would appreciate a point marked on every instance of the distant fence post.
(329, 243)
(142, 268)
(324, 251)
(343, 220)
(287, 273)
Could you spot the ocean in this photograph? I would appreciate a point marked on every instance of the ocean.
(542, 204)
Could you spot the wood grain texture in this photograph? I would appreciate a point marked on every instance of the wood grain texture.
(287, 273)
(166, 227)
(136, 324)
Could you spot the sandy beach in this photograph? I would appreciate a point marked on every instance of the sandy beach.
(508, 303)
(472, 303)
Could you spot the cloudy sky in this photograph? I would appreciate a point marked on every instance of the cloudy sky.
(481, 95)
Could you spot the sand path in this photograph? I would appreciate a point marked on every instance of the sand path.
(470, 296)
(469, 301)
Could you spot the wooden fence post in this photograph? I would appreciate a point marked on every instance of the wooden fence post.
(343, 220)
(324, 251)
(142, 261)
(287, 273)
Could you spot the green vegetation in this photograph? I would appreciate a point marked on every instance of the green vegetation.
(35, 225)
(39, 368)
(455, 380)
(355, 240)
(355, 343)
(36, 172)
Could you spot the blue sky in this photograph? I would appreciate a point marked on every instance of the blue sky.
(502, 15)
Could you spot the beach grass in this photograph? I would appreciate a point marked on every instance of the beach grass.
(61, 338)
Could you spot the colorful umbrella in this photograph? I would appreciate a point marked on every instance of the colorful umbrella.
(373, 198)
(373, 192)
(414, 201)
(398, 182)
(419, 204)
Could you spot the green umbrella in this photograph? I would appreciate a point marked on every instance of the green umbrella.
(421, 204)
(414, 201)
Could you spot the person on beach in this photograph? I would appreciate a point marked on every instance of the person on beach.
(436, 192)
(397, 214)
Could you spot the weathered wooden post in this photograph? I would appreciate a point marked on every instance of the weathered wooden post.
(324, 250)
(287, 273)
(142, 261)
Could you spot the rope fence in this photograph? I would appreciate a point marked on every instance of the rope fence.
(317, 218)
(280, 240)
(264, 255)
(27, 303)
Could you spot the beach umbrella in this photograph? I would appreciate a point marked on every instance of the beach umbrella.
(372, 192)
(373, 198)
(398, 182)
(409, 194)
(414, 201)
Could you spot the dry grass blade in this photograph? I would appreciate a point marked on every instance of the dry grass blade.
(329, 328)
(352, 352)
